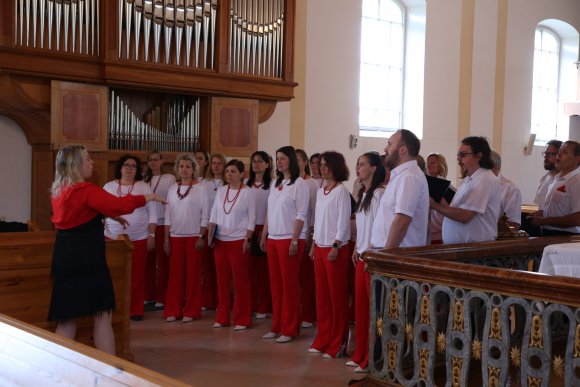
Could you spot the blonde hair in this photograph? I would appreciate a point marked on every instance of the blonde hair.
(187, 157)
(210, 175)
(442, 163)
(68, 168)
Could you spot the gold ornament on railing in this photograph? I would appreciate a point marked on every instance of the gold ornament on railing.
(457, 364)
(534, 382)
(409, 332)
(516, 357)
(577, 342)
(495, 326)
(423, 362)
(425, 311)
(536, 336)
(493, 376)
(458, 324)
(394, 305)
(558, 366)
(392, 355)
(441, 342)
(380, 327)
(476, 349)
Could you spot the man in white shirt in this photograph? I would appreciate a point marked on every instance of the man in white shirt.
(403, 213)
(549, 154)
(511, 196)
(473, 213)
(561, 212)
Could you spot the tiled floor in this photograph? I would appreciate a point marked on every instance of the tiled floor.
(200, 355)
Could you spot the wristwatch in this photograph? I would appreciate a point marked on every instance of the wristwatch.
(202, 237)
(294, 243)
(152, 235)
(335, 245)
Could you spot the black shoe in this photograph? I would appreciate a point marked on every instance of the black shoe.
(136, 318)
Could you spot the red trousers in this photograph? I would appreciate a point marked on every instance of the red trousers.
(331, 300)
(362, 295)
(157, 269)
(351, 285)
(260, 279)
(231, 262)
(285, 285)
(307, 287)
(209, 296)
(138, 263)
(184, 279)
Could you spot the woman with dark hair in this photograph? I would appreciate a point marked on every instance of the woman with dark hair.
(315, 166)
(283, 238)
(371, 173)
(330, 253)
(213, 180)
(307, 283)
(259, 181)
(234, 215)
(140, 225)
(82, 284)
(156, 270)
(202, 157)
(186, 218)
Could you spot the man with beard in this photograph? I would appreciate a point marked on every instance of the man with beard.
(549, 155)
(473, 213)
(561, 212)
(402, 217)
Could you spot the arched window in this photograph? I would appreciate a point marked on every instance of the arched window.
(381, 67)
(545, 85)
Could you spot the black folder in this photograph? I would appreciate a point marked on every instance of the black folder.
(438, 188)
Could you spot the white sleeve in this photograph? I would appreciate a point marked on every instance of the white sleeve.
(302, 200)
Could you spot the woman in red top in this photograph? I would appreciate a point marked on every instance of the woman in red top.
(82, 283)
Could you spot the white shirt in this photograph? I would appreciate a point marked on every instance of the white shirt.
(545, 183)
(364, 221)
(139, 219)
(261, 197)
(563, 198)
(511, 200)
(160, 185)
(313, 186)
(480, 193)
(285, 206)
(211, 188)
(186, 216)
(234, 216)
(332, 216)
(406, 193)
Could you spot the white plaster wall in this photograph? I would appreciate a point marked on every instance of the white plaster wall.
(275, 132)
(16, 161)
(523, 16)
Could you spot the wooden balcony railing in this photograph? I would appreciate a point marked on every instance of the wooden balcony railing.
(443, 315)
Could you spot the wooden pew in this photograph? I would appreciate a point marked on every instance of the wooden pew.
(25, 283)
(32, 356)
(450, 315)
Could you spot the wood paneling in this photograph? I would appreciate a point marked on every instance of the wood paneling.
(234, 126)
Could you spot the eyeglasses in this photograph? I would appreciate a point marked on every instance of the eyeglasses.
(549, 154)
(462, 155)
(154, 159)
(130, 166)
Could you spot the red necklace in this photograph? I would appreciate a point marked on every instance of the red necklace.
(156, 185)
(321, 181)
(120, 192)
(179, 195)
(285, 181)
(233, 201)
(330, 190)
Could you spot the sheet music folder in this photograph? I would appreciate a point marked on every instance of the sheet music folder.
(439, 188)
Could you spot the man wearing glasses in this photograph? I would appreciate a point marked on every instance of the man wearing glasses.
(473, 213)
(549, 156)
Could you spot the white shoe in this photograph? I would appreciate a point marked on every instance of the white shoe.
(327, 356)
(306, 324)
(170, 319)
(240, 328)
(361, 370)
(187, 319)
(284, 339)
(260, 316)
(269, 335)
(159, 305)
(313, 350)
(203, 308)
(217, 325)
(351, 363)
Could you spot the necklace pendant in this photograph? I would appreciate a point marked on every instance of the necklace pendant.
(280, 188)
(215, 189)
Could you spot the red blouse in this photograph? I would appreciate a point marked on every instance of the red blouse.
(83, 201)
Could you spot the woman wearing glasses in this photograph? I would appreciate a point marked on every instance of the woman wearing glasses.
(157, 268)
(140, 225)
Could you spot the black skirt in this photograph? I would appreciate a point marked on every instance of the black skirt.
(82, 284)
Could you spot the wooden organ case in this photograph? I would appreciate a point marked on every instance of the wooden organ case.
(132, 75)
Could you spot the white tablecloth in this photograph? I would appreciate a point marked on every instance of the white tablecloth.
(561, 259)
